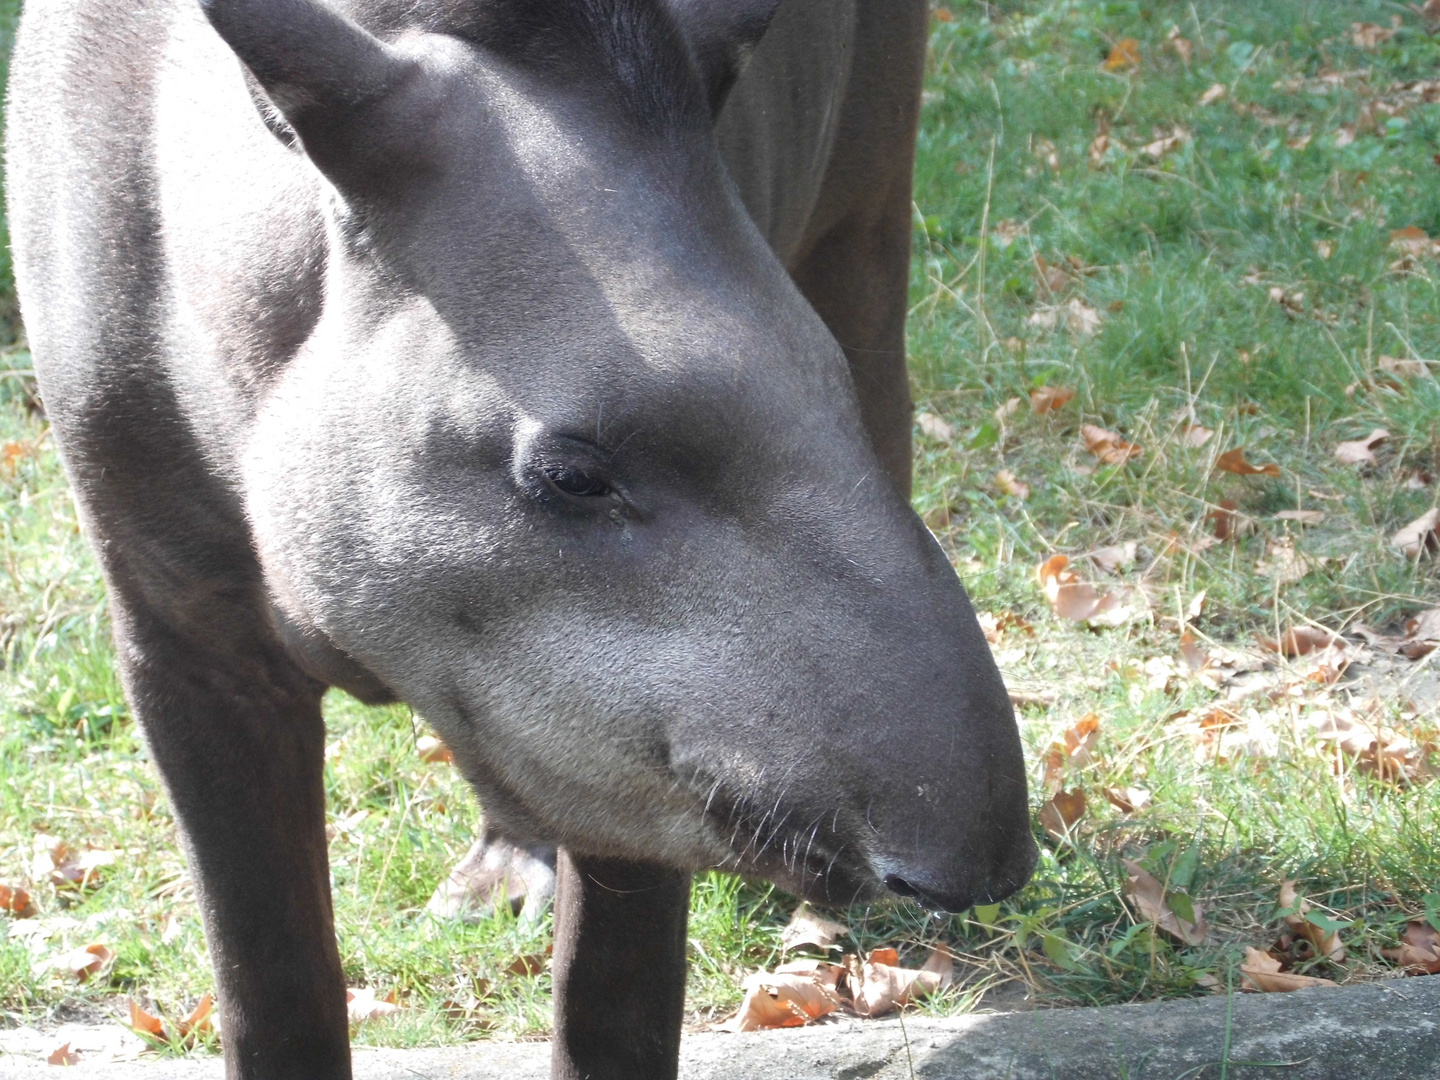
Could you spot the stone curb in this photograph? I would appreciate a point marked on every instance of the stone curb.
(1379, 1031)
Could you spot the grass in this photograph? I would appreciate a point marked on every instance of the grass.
(1177, 254)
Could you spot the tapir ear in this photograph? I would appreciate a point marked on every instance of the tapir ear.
(320, 69)
(721, 35)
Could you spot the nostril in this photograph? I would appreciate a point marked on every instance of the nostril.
(898, 885)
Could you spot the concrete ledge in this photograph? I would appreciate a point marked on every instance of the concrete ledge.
(1380, 1031)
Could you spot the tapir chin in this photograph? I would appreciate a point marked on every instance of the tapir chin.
(539, 363)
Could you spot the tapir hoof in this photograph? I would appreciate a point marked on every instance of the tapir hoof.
(495, 871)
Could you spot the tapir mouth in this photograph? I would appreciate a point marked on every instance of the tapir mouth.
(804, 856)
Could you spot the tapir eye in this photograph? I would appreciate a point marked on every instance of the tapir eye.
(574, 482)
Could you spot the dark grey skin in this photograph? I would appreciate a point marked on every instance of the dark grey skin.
(430, 349)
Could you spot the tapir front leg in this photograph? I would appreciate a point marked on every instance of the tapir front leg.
(237, 733)
(619, 969)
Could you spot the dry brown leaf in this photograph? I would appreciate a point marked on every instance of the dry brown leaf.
(1361, 451)
(880, 985)
(1369, 35)
(1165, 144)
(782, 999)
(1004, 412)
(1262, 972)
(1424, 626)
(1181, 46)
(144, 1023)
(1009, 484)
(1301, 641)
(433, 750)
(1051, 278)
(1285, 563)
(1149, 896)
(1125, 54)
(807, 928)
(1214, 94)
(1080, 602)
(1108, 446)
(1116, 557)
(1420, 536)
(528, 965)
(935, 427)
(1044, 399)
(1326, 944)
(361, 1004)
(1195, 436)
(1128, 799)
(1225, 517)
(1304, 517)
(1419, 950)
(200, 1020)
(1007, 232)
(63, 1055)
(1324, 248)
(1191, 654)
(1064, 810)
(1410, 369)
(83, 963)
(1233, 461)
(942, 964)
(16, 900)
(1081, 740)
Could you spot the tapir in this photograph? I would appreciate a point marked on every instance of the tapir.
(540, 364)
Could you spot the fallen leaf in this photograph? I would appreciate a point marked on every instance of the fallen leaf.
(361, 1004)
(432, 750)
(1051, 278)
(1081, 602)
(806, 928)
(1419, 951)
(1410, 369)
(1128, 799)
(880, 985)
(995, 626)
(1233, 461)
(1006, 411)
(1285, 563)
(1195, 436)
(1420, 536)
(16, 900)
(1368, 35)
(1125, 54)
(1262, 972)
(63, 1055)
(1165, 144)
(1108, 446)
(1413, 242)
(1150, 900)
(1064, 810)
(1323, 248)
(1009, 484)
(1360, 451)
(1044, 399)
(200, 1020)
(1424, 627)
(1080, 740)
(1181, 46)
(1292, 302)
(935, 427)
(1116, 557)
(1304, 517)
(1081, 318)
(1007, 232)
(1344, 136)
(782, 999)
(83, 963)
(1301, 641)
(1224, 516)
(941, 963)
(528, 965)
(144, 1023)
(1194, 657)
(1214, 94)
(1326, 943)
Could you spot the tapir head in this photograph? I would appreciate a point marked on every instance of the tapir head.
(571, 466)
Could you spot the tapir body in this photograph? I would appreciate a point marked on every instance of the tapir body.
(538, 363)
